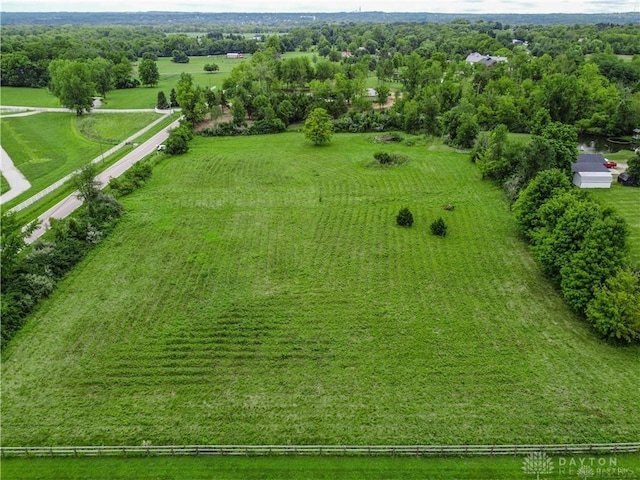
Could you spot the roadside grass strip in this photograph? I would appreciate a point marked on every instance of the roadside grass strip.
(308, 468)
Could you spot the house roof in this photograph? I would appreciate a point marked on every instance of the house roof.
(488, 60)
(591, 158)
(591, 167)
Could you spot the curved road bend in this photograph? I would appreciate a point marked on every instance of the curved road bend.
(69, 204)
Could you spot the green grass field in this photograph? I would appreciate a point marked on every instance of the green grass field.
(4, 185)
(48, 146)
(258, 291)
(27, 97)
(626, 201)
(303, 468)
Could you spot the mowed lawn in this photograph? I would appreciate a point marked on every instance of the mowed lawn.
(48, 146)
(626, 201)
(305, 468)
(258, 291)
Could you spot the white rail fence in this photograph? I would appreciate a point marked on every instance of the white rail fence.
(319, 450)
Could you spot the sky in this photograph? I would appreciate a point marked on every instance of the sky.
(439, 6)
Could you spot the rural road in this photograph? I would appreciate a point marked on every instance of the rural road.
(18, 183)
(71, 203)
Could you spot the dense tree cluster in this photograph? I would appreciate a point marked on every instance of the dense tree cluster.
(581, 246)
(568, 74)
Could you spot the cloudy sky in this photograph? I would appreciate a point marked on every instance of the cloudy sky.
(439, 6)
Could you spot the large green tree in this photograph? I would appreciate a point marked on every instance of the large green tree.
(543, 187)
(72, 83)
(191, 99)
(148, 72)
(318, 127)
(615, 308)
(102, 74)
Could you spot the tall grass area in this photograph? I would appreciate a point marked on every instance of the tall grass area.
(258, 291)
(48, 146)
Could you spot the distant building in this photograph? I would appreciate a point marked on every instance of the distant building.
(234, 55)
(590, 172)
(488, 60)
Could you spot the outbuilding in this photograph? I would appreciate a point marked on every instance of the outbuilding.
(590, 172)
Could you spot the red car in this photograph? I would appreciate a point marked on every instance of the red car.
(610, 164)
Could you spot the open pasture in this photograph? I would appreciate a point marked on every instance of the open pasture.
(258, 291)
(48, 146)
(28, 97)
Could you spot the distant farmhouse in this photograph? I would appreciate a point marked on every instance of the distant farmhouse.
(488, 60)
(590, 171)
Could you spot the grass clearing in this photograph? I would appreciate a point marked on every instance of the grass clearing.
(258, 291)
(48, 146)
(28, 97)
(303, 468)
(4, 185)
(626, 201)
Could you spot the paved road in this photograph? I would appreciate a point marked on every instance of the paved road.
(18, 183)
(71, 203)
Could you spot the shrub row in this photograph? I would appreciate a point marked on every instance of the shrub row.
(260, 127)
(30, 273)
(369, 121)
(132, 179)
(582, 247)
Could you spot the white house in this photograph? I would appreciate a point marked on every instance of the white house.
(589, 172)
(488, 60)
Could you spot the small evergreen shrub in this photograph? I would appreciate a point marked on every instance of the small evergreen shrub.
(404, 218)
(439, 228)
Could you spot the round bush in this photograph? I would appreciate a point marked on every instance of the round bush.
(438, 227)
(404, 218)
